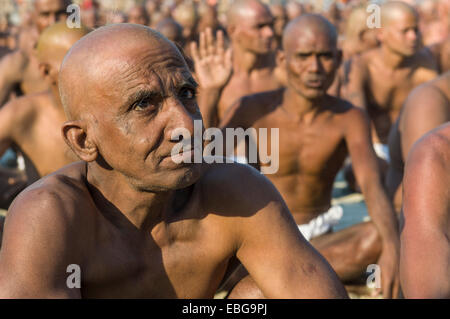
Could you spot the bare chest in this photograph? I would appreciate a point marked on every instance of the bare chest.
(317, 148)
(187, 263)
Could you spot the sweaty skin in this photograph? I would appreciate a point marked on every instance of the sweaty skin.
(316, 133)
(425, 249)
(33, 122)
(21, 67)
(250, 28)
(381, 79)
(427, 107)
(137, 223)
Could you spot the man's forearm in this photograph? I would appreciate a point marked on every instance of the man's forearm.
(208, 101)
(382, 212)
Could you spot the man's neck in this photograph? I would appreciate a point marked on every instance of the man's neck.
(301, 107)
(391, 59)
(114, 195)
(246, 61)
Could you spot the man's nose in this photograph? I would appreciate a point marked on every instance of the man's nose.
(179, 118)
(268, 32)
(314, 64)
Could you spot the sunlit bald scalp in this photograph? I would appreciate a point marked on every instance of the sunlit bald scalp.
(108, 59)
(59, 36)
(393, 10)
(312, 24)
(244, 9)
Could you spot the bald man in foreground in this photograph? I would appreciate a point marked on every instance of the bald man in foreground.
(381, 79)
(137, 223)
(427, 107)
(425, 248)
(316, 133)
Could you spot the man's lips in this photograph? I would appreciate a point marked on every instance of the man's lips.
(315, 83)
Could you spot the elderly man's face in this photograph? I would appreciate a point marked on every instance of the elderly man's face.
(146, 96)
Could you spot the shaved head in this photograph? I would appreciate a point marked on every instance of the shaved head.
(108, 58)
(310, 25)
(242, 10)
(59, 37)
(391, 11)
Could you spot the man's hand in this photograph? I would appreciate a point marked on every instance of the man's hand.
(389, 267)
(213, 64)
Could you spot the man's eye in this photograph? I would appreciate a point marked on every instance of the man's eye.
(143, 105)
(187, 93)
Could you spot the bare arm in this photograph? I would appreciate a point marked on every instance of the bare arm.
(354, 89)
(213, 69)
(9, 115)
(281, 262)
(380, 209)
(38, 245)
(425, 247)
(425, 109)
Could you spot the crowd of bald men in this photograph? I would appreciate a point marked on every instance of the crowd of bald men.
(87, 113)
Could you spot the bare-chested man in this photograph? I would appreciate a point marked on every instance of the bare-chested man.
(20, 68)
(427, 107)
(33, 122)
(381, 79)
(250, 28)
(425, 248)
(316, 133)
(137, 223)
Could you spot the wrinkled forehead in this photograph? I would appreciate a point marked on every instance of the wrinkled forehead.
(160, 67)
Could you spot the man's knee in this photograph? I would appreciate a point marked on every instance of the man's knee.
(369, 244)
(246, 289)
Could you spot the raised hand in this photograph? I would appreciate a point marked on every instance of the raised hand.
(213, 65)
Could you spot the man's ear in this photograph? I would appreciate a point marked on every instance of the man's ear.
(74, 134)
(281, 59)
(339, 58)
(44, 69)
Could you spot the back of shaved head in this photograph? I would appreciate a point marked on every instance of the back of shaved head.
(59, 36)
(98, 63)
(311, 24)
(392, 10)
(243, 9)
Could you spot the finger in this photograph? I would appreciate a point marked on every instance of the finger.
(220, 43)
(203, 51)
(387, 289)
(210, 42)
(194, 52)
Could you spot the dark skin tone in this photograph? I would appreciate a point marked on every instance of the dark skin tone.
(250, 28)
(142, 221)
(427, 107)
(317, 132)
(381, 79)
(21, 67)
(425, 249)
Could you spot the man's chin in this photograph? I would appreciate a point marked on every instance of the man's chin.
(188, 175)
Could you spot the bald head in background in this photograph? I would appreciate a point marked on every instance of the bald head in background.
(172, 30)
(137, 15)
(34, 121)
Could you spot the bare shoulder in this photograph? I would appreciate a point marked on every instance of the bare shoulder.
(14, 62)
(237, 189)
(250, 108)
(56, 199)
(424, 58)
(431, 152)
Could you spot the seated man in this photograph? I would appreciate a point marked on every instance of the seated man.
(317, 132)
(425, 249)
(427, 107)
(137, 223)
(33, 122)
